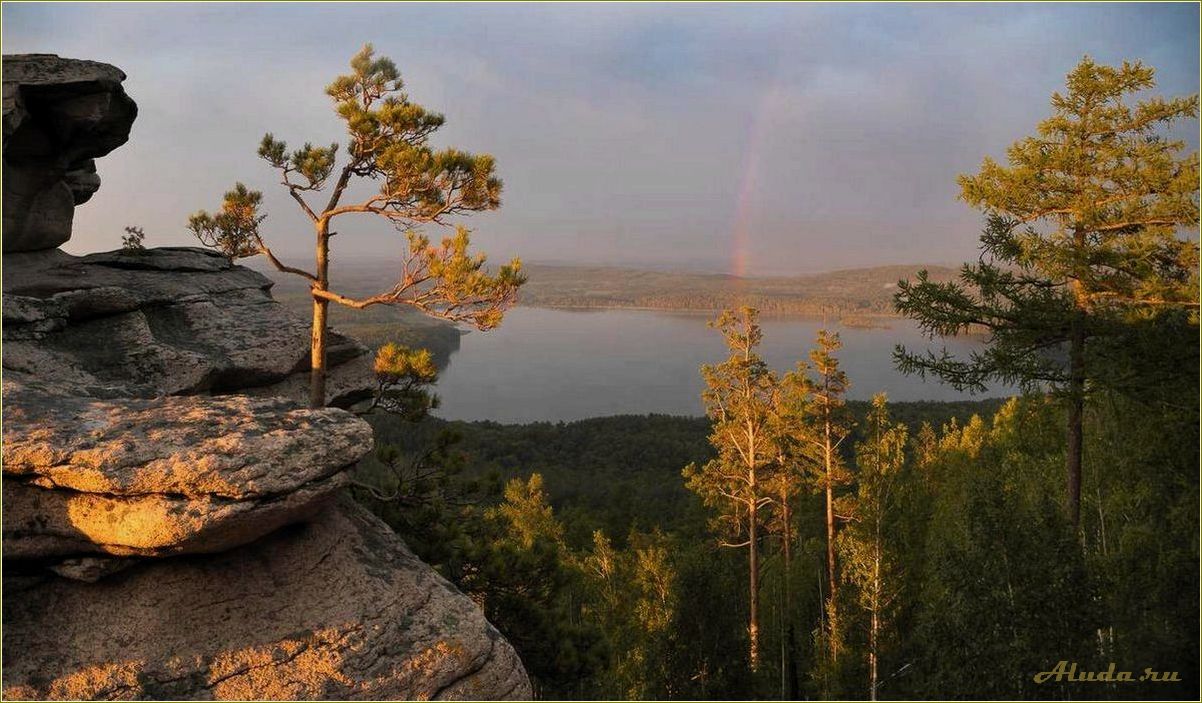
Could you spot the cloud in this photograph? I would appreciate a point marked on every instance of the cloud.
(622, 131)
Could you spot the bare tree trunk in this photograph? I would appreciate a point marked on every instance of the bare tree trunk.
(1076, 392)
(872, 657)
(753, 627)
(317, 359)
(875, 624)
(788, 689)
(787, 538)
(1076, 411)
(831, 575)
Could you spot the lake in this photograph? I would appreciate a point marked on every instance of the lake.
(548, 364)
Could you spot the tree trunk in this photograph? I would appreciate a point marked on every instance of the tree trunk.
(787, 518)
(875, 624)
(753, 570)
(317, 358)
(1076, 411)
(872, 657)
(788, 671)
(831, 575)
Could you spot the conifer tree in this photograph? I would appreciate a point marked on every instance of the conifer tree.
(868, 565)
(1083, 232)
(388, 144)
(403, 380)
(815, 393)
(739, 397)
(527, 509)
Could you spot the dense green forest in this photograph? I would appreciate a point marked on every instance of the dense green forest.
(603, 573)
(618, 473)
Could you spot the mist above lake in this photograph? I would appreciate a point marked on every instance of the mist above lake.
(551, 365)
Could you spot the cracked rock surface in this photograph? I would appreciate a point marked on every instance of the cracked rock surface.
(174, 520)
(171, 320)
(338, 608)
(154, 477)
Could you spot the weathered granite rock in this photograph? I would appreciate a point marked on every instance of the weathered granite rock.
(59, 116)
(156, 477)
(167, 321)
(335, 609)
(190, 531)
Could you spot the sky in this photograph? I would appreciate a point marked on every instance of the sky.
(753, 139)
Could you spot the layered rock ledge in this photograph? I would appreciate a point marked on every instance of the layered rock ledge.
(156, 477)
(171, 320)
(335, 609)
(173, 520)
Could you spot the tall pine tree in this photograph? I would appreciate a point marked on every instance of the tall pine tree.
(814, 396)
(1083, 233)
(869, 564)
(740, 397)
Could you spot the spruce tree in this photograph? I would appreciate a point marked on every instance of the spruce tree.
(388, 144)
(1083, 235)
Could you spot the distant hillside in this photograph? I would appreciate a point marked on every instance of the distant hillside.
(855, 296)
(846, 293)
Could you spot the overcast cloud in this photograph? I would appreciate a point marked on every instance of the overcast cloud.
(624, 133)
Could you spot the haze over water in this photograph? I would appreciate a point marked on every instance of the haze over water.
(553, 365)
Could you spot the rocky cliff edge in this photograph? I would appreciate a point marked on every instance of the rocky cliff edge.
(175, 524)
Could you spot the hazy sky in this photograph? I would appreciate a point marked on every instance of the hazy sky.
(787, 137)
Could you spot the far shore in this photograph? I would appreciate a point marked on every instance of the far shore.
(858, 320)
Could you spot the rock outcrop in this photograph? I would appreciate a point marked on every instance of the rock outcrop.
(335, 609)
(59, 116)
(172, 320)
(174, 524)
(163, 476)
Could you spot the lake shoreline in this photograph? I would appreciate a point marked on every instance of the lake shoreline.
(986, 403)
(553, 364)
(872, 318)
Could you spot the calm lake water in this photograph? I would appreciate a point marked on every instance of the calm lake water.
(567, 365)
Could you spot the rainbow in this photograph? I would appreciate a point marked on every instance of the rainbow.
(741, 237)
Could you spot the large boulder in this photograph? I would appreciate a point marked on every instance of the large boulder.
(335, 609)
(170, 320)
(164, 476)
(59, 116)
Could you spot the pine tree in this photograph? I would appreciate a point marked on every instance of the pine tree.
(814, 395)
(740, 397)
(869, 566)
(388, 144)
(1083, 232)
(527, 510)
